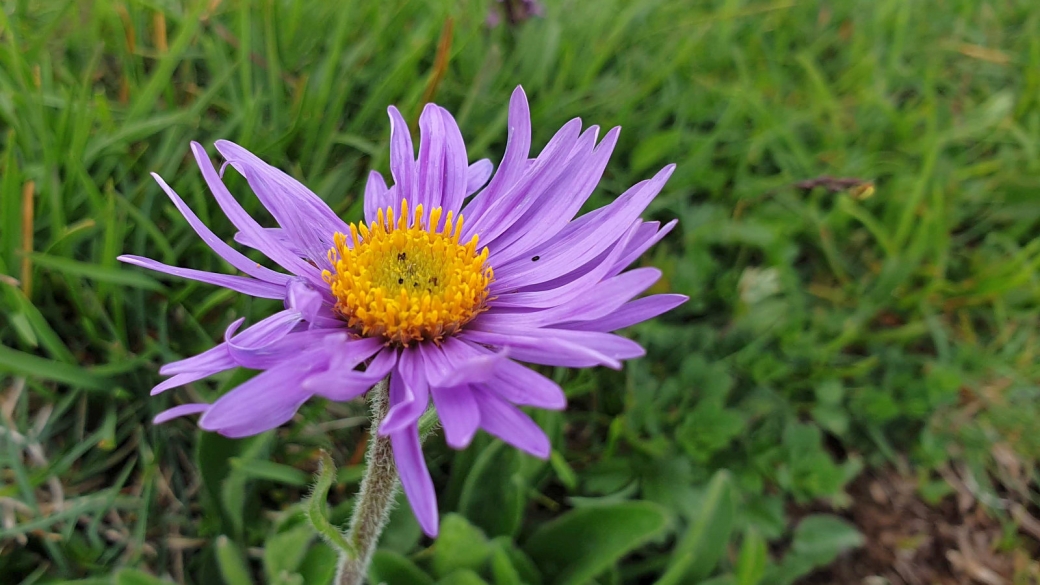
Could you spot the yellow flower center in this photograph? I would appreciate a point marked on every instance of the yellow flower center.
(408, 283)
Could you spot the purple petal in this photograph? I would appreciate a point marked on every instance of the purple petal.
(250, 228)
(242, 284)
(601, 300)
(640, 243)
(178, 411)
(514, 162)
(506, 209)
(456, 363)
(459, 415)
(584, 238)
(232, 256)
(415, 477)
(477, 175)
(262, 350)
(341, 383)
(525, 387)
(567, 287)
(275, 234)
(509, 423)
(302, 297)
(402, 159)
(409, 392)
(543, 347)
(630, 313)
(262, 403)
(376, 196)
(561, 201)
(307, 220)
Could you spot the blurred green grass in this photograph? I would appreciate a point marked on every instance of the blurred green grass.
(893, 323)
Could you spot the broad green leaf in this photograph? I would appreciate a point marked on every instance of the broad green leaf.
(494, 494)
(394, 569)
(319, 565)
(823, 537)
(509, 563)
(579, 545)
(705, 540)
(284, 551)
(460, 545)
(233, 567)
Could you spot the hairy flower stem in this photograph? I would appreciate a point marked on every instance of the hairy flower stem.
(376, 497)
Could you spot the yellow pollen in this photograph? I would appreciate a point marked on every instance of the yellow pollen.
(408, 281)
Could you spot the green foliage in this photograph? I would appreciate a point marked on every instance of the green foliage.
(829, 328)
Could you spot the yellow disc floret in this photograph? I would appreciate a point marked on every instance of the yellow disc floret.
(408, 281)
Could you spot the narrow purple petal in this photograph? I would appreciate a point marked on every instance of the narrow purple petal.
(514, 161)
(178, 411)
(584, 238)
(509, 423)
(525, 387)
(307, 220)
(262, 403)
(559, 202)
(640, 244)
(458, 413)
(430, 166)
(246, 224)
(630, 313)
(477, 175)
(242, 284)
(402, 159)
(601, 300)
(302, 297)
(510, 206)
(276, 234)
(456, 363)
(415, 477)
(232, 256)
(541, 346)
(409, 392)
(456, 174)
(376, 195)
(341, 383)
(567, 287)
(250, 353)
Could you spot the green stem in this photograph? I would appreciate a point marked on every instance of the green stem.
(375, 498)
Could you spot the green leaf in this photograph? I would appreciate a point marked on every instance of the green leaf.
(269, 470)
(582, 543)
(20, 363)
(319, 565)
(751, 564)
(233, 567)
(316, 507)
(284, 551)
(462, 577)
(394, 569)
(460, 545)
(135, 577)
(822, 537)
(510, 565)
(95, 272)
(704, 542)
(494, 493)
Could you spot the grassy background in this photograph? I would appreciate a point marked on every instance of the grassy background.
(890, 324)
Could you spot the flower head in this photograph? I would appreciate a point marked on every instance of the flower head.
(444, 287)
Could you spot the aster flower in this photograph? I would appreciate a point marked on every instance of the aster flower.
(444, 287)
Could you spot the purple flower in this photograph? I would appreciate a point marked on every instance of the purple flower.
(445, 307)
